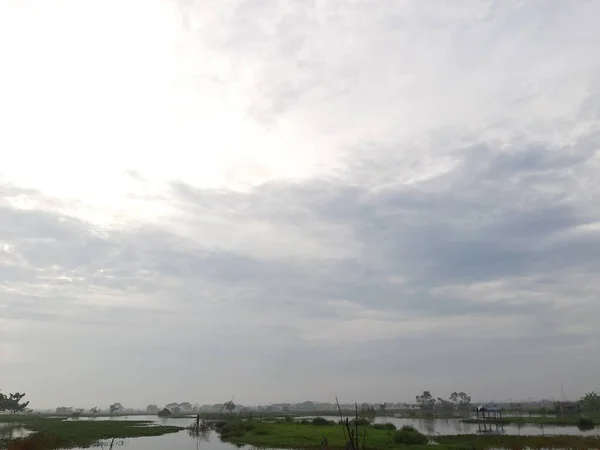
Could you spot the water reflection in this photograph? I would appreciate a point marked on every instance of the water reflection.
(434, 427)
(13, 431)
(490, 428)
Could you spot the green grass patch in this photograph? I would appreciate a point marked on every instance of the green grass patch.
(408, 435)
(58, 433)
(308, 436)
(384, 426)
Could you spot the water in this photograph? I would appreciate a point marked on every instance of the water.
(434, 427)
(177, 441)
(183, 441)
(12, 431)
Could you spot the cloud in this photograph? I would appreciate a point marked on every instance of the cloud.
(314, 198)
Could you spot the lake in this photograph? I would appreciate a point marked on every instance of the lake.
(455, 426)
(211, 441)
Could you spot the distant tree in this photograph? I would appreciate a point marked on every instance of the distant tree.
(64, 410)
(590, 402)
(307, 406)
(152, 409)
(172, 406)
(12, 403)
(454, 399)
(165, 412)
(464, 401)
(115, 408)
(383, 408)
(461, 401)
(94, 410)
(426, 401)
(186, 407)
(445, 405)
(230, 406)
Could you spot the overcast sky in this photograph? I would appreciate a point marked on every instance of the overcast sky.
(292, 200)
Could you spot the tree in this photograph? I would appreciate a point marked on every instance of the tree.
(426, 401)
(186, 407)
(230, 406)
(152, 409)
(590, 402)
(383, 408)
(461, 401)
(64, 410)
(171, 406)
(115, 408)
(445, 405)
(165, 412)
(12, 403)
(94, 410)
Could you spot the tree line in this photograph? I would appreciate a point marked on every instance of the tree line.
(458, 401)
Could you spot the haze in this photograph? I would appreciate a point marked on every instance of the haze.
(292, 200)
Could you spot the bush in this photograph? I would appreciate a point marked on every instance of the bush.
(408, 435)
(362, 422)
(585, 423)
(220, 424)
(165, 413)
(384, 426)
(234, 428)
(321, 422)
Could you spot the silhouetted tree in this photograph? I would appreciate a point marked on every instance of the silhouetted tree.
(165, 412)
(426, 401)
(230, 406)
(461, 401)
(186, 407)
(590, 402)
(12, 403)
(115, 408)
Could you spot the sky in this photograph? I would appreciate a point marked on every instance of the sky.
(292, 200)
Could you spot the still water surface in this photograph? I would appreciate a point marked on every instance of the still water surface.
(434, 427)
(183, 441)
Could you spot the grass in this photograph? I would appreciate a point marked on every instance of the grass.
(58, 433)
(299, 435)
(295, 435)
(408, 435)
